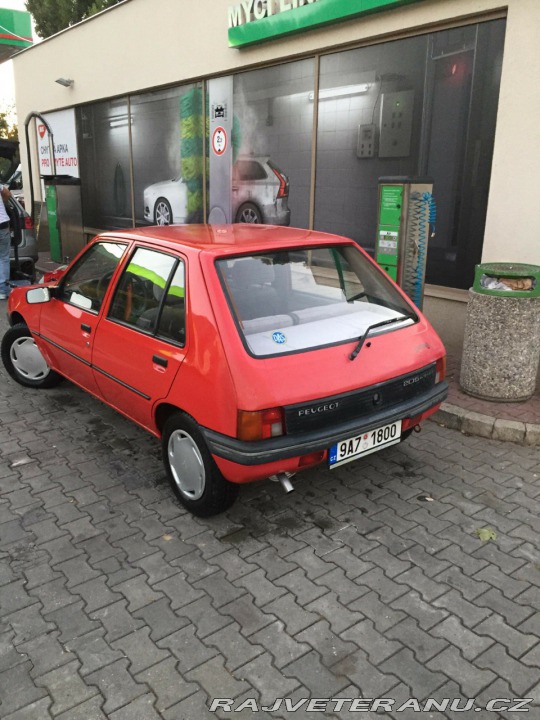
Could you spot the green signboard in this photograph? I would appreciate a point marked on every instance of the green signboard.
(254, 21)
(15, 32)
(391, 201)
(388, 229)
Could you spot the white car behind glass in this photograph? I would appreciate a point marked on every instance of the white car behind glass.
(260, 195)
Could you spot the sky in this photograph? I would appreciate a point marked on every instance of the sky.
(7, 85)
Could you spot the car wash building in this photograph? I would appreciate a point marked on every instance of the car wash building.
(295, 111)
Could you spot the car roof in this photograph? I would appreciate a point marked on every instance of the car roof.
(228, 239)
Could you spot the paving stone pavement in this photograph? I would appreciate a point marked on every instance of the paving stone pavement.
(368, 581)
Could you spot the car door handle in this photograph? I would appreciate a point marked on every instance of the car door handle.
(160, 361)
(86, 328)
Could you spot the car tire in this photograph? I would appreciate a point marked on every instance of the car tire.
(162, 212)
(192, 472)
(24, 361)
(249, 213)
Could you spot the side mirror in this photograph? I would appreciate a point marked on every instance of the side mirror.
(38, 295)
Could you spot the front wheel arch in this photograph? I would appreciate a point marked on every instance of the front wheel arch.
(16, 319)
(166, 207)
(24, 361)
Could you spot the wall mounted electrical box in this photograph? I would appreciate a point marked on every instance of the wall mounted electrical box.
(367, 141)
(396, 123)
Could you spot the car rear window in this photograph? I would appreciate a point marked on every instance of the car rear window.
(295, 300)
(249, 170)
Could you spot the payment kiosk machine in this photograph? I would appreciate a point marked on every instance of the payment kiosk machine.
(406, 221)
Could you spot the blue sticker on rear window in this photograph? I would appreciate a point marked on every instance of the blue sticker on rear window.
(279, 338)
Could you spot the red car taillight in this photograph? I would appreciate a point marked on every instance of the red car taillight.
(260, 425)
(28, 223)
(440, 369)
(283, 184)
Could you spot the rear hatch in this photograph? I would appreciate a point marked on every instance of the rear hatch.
(323, 323)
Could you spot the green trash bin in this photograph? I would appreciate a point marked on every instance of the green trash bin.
(501, 347)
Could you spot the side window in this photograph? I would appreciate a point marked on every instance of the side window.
(16, 181)
(146, 297)
(172, 320)
(249, 170)
(86, 283)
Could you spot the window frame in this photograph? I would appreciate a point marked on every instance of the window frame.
(405, 306)
(61, 293)
(154, 332)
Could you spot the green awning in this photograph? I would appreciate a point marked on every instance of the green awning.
(15, 32)
(296, 16)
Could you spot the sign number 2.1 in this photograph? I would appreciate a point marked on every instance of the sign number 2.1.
(219, 140)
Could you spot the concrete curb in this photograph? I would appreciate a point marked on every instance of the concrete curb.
(471, 423)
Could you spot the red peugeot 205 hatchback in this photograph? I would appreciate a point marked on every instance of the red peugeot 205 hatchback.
(251, 351)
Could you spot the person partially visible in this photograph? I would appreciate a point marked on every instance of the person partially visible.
(5, 243)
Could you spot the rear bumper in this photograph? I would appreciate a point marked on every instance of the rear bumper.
(24, 257)
(26, 250)
(290, 446)
(276, 214)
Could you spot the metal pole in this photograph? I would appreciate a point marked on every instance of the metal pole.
(29, 117)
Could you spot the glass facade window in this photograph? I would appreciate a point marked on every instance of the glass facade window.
(167, 130)
(354, 85)
(423, 106)
(275, 131)
(105, 164)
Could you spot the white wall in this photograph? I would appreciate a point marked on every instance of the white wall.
(512, 232)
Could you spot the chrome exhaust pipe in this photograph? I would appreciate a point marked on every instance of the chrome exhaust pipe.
(285, 480)
(286, 484)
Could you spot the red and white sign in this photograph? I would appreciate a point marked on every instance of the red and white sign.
(219, 140)
(62, 124)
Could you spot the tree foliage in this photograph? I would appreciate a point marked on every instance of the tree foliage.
(51, 16)
(8, 131)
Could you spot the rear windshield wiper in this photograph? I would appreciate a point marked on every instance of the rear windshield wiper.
(362, 339)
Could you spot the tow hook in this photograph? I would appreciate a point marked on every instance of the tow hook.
(285, 479)
(417, 428)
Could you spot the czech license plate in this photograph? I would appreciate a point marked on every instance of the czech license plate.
(364, 444)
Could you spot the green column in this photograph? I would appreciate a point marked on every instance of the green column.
(191, 151)
(54, 234)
